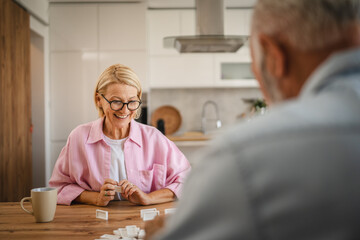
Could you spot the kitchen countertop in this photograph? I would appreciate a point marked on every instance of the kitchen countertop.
(191, 139)
(190, 136)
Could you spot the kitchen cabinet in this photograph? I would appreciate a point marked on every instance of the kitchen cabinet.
(135, 59)
(187, 70)
(73, 27)
(162, 23)
(191, 149)
(234, 70)
(170, 69)
(84, 40)
(237, 21)
(115, 30)
(73, 77)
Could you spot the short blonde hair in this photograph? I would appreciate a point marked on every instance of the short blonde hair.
(117, 73)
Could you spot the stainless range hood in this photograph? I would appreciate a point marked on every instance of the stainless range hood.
(210, 36)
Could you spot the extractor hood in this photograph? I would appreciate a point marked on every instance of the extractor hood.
(209, 36)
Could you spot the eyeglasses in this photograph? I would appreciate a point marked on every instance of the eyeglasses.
(117, 105)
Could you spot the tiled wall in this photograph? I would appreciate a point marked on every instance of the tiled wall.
(190, 102)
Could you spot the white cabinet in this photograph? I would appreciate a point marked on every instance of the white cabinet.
(234, 70)
(73, 76)
(237, 21)
(122, 26)
(181, 71)
(187, 22)
(73, 27)
(170, 69)
(85, 39)
(162, 23)
(135, 59)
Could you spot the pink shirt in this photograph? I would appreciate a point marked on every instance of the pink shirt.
(152, 161)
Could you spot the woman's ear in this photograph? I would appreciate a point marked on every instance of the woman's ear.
(274, 56)
(98, 100)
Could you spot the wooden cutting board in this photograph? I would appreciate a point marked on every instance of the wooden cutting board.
(171, 117)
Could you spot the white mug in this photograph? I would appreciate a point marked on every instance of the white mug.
(43, 201)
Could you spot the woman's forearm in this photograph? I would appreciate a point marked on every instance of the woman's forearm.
(87, 197)
(161, 196)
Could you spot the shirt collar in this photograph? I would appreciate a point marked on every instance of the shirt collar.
(96, 132)
(325, 74)
(135, 133)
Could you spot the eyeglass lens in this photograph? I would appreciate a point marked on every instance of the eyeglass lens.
(117, 105)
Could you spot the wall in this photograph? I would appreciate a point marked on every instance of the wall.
(190, 103)
(38, 108)
(15, 98)
(41, 87)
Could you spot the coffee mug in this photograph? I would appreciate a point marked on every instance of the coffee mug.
(43, 201)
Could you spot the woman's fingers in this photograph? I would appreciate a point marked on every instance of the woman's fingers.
(110, 181)
(132, 191)
(107, 186)
(126, 186)
(107, 192)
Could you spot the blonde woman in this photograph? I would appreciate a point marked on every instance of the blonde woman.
(115, 150)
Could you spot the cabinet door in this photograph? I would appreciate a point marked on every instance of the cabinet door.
(73, 27)
(73, 77)
(186, 70)
(237, 21)
(187, 22)
(168, 68)
(234, 70)
(162, 23)
(136, 60)
(122, 26)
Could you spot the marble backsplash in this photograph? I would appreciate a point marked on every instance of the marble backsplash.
(190, 103)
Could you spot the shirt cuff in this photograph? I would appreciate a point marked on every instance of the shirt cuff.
(175, 188)
(69, 193)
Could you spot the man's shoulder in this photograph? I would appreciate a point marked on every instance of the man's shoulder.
(298, 116)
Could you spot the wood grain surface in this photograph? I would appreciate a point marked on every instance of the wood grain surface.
(15, 102)
(171, 117)
(71, 222)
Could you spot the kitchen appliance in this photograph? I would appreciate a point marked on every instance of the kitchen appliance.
(209, 32)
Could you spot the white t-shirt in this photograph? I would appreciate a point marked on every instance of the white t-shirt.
(117, 169)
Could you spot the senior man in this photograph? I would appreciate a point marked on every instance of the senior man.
(295, 172)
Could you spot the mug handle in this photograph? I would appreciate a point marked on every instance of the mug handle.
(22, 206)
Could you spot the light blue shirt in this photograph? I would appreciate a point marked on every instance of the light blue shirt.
(293, 173)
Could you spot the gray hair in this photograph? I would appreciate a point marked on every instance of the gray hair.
(306, 24)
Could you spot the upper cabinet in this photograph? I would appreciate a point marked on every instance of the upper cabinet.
(170, 69)
(73, 27)
(237, 21)
(122, 27)
(85, 39)
(158, 28)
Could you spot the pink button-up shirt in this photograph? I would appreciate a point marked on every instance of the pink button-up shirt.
(152, 161)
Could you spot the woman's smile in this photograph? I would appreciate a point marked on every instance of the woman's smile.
(121, 116)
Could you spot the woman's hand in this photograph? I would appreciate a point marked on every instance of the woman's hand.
(107, 193)
(133, 194)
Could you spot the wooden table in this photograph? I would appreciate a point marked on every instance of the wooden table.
(71, 222)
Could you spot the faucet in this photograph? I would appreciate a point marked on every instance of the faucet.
(204, 119)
